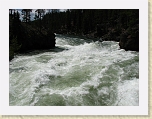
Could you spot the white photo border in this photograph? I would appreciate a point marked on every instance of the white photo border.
(142, 109)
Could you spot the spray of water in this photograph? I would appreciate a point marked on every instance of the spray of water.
(77, 72)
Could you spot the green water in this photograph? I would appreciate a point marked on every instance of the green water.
(76, 73)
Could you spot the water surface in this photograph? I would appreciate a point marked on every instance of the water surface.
(78, 72)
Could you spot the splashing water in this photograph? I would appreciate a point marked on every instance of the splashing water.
(77, 72)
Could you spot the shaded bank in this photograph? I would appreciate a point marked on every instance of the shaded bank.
(24, 37)
(129, 39)
(33, 39)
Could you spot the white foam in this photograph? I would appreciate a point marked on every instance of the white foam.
(92, 59)
(128, 93)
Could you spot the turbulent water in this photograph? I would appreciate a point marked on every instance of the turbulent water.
(78, 72)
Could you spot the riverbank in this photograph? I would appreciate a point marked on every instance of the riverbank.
(24, 37)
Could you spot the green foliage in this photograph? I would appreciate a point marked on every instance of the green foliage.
(13, 47)
(14, 31)
(14, 44)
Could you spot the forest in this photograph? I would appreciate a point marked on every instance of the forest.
(26, 34)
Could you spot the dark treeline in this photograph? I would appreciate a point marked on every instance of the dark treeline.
(24, 36)
(120, 25)
(86, 21)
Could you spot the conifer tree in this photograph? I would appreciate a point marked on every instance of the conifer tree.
(39, 13)
(26, 15)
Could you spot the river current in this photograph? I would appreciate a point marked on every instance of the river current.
(78, 72)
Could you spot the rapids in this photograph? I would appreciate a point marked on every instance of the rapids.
(78, 72)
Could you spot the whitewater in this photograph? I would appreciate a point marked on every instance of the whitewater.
(78, 72)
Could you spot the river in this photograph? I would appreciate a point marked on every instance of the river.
(78, 72)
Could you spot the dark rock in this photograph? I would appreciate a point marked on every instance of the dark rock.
(112, 35)
(100, 30)
(129, 39)
(33, 39)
